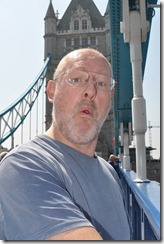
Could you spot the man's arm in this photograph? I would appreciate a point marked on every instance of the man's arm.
(82, 233)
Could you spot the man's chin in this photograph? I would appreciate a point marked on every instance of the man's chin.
(84, 137)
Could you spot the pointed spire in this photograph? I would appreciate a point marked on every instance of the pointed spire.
(50, 12)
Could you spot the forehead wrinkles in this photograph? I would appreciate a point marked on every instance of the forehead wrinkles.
(91, 64)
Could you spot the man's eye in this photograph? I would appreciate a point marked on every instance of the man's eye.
(75, 80)
(101, 83)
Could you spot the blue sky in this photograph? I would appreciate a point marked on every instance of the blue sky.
(22, 54)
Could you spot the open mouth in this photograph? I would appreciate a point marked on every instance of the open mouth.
(87, 111)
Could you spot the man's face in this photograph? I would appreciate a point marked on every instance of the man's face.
(79, 112)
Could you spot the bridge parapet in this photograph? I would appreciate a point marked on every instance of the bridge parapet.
(143, 206)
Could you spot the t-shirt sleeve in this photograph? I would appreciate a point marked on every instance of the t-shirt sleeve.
(34, 201)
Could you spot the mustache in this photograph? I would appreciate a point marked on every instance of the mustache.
(84, 102)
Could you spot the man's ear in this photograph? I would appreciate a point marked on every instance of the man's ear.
(50, 90)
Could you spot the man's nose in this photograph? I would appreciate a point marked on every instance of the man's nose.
(91, 88)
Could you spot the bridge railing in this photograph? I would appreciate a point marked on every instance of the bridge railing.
(143, 206)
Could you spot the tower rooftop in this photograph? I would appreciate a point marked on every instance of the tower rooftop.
(96, 17)
(50, 12)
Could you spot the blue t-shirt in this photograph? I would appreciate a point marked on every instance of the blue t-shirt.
(47, 187)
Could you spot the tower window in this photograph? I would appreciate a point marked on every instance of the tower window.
(76, 25)
(84, 42)
(76, 42)
(93, 41)
(84, 24)
(68, 42)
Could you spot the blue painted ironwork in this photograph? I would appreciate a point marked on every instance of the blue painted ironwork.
(12, 117)
(143, 206)
(122, 71)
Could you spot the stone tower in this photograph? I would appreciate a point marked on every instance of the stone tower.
(82, 25)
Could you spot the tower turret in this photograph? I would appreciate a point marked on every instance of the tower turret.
(50, 31)
(50, 47)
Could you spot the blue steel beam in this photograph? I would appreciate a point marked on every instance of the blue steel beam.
(13, 116)
(121, 65)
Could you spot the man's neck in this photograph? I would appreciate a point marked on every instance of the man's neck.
(88, 149)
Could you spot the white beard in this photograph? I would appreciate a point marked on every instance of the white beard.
(76, 128)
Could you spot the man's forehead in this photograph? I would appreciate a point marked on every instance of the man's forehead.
(84, 70)
(88, 60)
